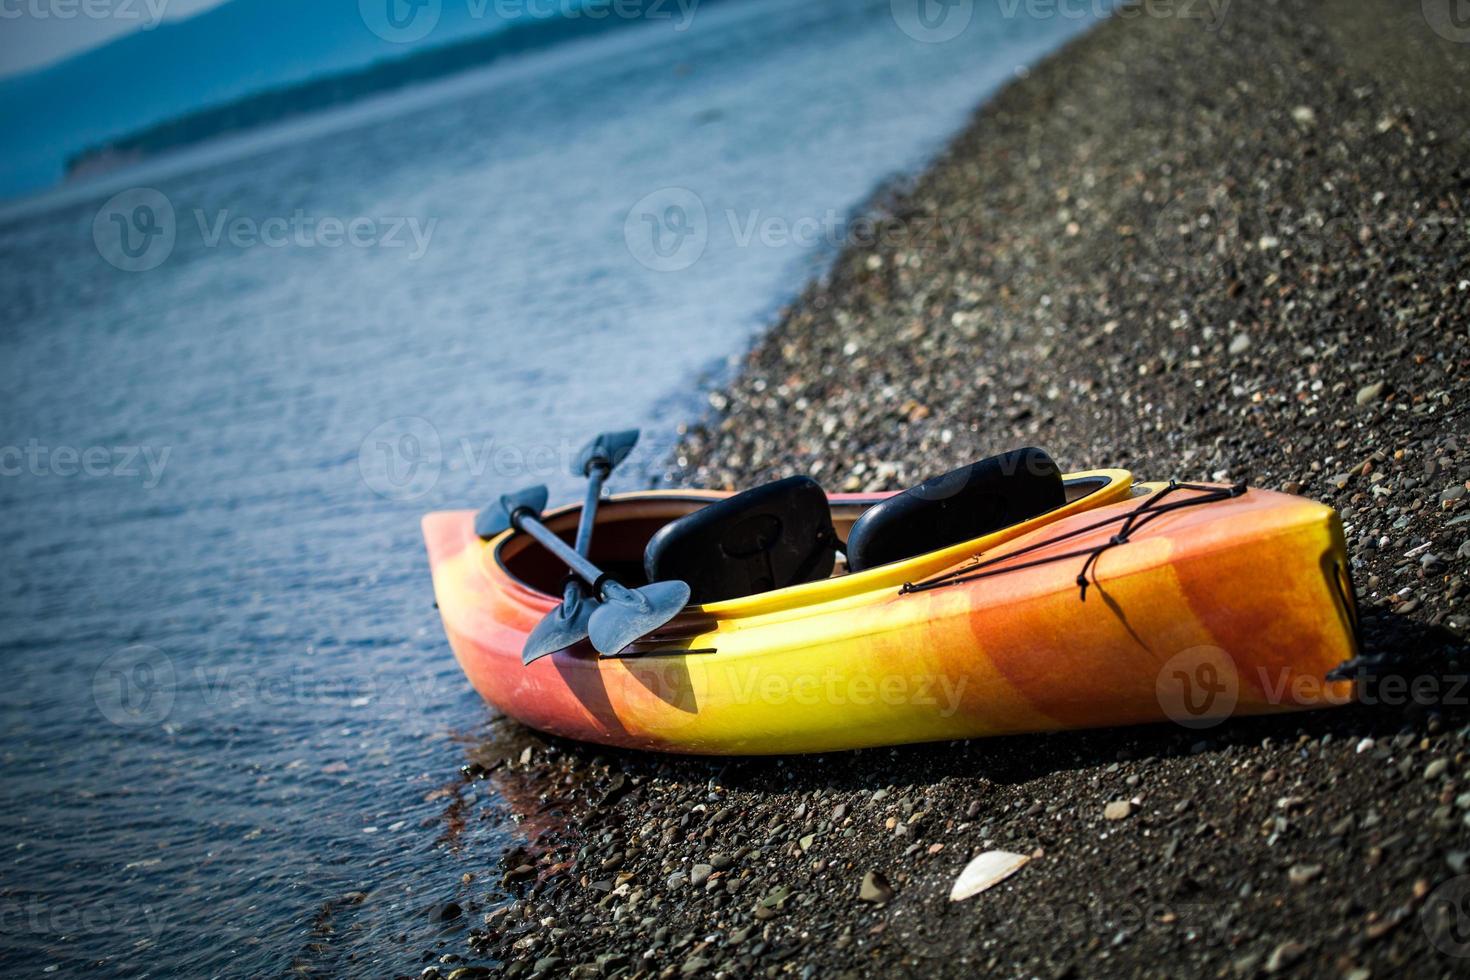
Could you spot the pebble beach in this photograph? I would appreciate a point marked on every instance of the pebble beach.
(1226, 249)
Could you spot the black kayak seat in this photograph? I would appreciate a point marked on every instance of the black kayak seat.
(968, 503)
(768, 538)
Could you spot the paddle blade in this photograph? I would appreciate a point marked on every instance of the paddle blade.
(629, 615)
(564, 627)
(495, 520)
(607, 450)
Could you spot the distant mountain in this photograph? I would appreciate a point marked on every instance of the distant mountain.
(521, 37)
(221, 56)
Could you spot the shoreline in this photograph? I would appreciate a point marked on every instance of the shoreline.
(1237, 254)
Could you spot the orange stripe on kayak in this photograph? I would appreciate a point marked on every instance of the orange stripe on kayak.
(1096, 662)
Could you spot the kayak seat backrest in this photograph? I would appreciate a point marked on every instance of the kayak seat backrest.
(763, 539)
(971, 502)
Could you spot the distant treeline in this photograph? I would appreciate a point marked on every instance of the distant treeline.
(383, 76)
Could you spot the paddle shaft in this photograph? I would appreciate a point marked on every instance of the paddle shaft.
(569, 556)
(595, 477)
(589, 509)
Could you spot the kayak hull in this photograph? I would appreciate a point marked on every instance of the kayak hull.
(1236, 606)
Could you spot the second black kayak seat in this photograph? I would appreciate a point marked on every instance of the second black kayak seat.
(968, 503)
(768, 538)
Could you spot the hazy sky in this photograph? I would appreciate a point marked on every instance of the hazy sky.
(37, 32)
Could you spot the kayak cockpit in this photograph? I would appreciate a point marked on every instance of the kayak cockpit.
(627, 524)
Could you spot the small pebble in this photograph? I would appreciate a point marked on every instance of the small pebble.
(1283, 956)
(1304, 874)
(1371, 393)
(875, 888)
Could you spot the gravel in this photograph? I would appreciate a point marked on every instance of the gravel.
(1223, 254)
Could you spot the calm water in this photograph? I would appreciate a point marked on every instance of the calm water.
(228, 702)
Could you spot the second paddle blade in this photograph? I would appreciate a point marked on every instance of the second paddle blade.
(628, 615)
(564, 627)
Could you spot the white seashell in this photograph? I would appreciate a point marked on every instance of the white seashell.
(988, 869)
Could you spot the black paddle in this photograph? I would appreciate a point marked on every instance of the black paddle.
(626, 614)
(568, 624)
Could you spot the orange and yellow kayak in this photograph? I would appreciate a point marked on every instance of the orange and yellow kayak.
(1130, 603)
